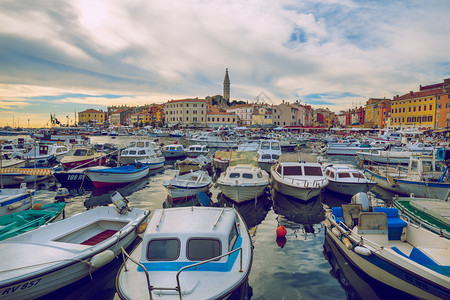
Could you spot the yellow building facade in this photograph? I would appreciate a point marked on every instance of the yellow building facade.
(414, 110)
(91, 116)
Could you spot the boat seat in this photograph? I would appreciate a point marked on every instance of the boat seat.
(98, 238)
(337, 213)
(395, 224)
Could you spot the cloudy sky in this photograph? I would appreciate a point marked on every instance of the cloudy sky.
(65, 56)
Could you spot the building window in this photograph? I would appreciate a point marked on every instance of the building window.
(431, 106)
(209, 119)
(187, 112)
(403, 109)
(424, 119)
(213, 119)
(424, 107)
(414, 108)
(430, 118)
(409, 109)
(419, 107)
(187, 118)
(408, 119)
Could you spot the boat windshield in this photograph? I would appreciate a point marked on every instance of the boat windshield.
(265, 145)
(203, 249)
(357, 175)
(313, 171)
(276, 146)
(292, 170)
(235, 175)
(343, 175)
(163, 249)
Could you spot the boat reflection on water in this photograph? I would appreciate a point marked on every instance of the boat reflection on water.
(356, 284)
(102, 197)
(253, 212)
(298, 215)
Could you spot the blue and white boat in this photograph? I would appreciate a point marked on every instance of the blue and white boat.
(425, 177)
(189, 253)
(104, 176)
(391, 250)
(174, 151)
(15, 200)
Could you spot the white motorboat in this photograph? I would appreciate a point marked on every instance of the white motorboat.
(268, 153)
(6, 161)
(197, 150)
(391, 250)
(52, 256)
(173, 151)
(103, 176)
(15, 200)
(214, 140)
(348, 181)
(193, 164)
(298, 179)
(243, 180)
(137, 151)
(189, 253)
(154, 162)
(186, 186)
(43, 153)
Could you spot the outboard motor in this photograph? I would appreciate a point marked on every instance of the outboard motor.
(363, 199)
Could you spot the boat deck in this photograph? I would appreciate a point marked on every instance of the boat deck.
(437, 209)
(100, 237)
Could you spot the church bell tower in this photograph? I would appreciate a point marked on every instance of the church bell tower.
(226, 87)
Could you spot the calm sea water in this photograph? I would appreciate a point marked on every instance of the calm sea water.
(293, 268)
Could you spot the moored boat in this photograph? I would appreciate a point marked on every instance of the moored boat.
(298, 179)
(20, 222)
(391, 250)
(104, 176)
(345, 180)
(173, 151)
(189, 253)
(55, 255)
(186, 186)
(83, 157)
(15, 200)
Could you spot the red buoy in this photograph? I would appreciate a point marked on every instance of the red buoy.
(281, 231)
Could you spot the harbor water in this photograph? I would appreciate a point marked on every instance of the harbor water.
(301, 266)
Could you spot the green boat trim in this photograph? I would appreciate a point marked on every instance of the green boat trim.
(422, 218)
(20, 222)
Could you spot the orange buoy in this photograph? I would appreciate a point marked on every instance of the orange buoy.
(37, 206)
(281, 231)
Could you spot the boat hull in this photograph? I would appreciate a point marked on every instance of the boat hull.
(104, 177)
(178, 193)
(242, 193)
(300, 193)
(348, 188)
(406, 187)
(174, 154)
(388, 272)
(16, 201)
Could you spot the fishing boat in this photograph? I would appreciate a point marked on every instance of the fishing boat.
(153, 162)
(391, 250)
(182, 187)
(296, 178)
(189, 253)
(20, 222)
(73, 178)
(83, 157)
(345, 180)
(52, 256)
(137, 151)
(15, 200)
(197, 150)
(173, 151)
(386, 156)
(432, 214)
(424, 177)
(46, 153)
(243, 180)
(104, 176)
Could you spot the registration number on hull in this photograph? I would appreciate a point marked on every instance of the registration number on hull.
(19, 287)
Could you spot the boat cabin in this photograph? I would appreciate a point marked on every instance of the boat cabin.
(269, 151)
(300, 169)
(179, 237)
(243, 173)
(174, 147)
(197, 148)
(343, 173)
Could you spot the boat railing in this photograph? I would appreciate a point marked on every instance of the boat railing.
(305, 182)
(178, 287)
